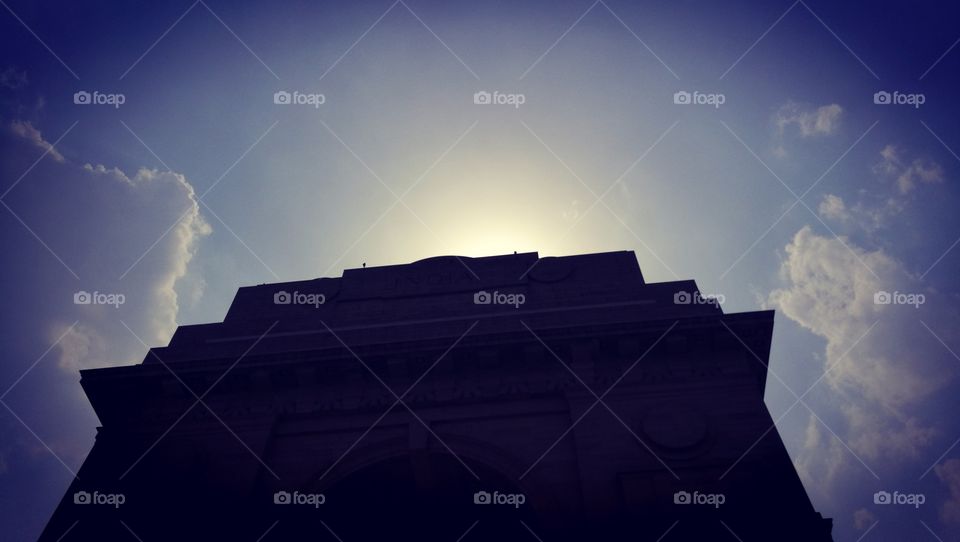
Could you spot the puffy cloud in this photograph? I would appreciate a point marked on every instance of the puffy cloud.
(823, 120)
(883, 363)
(908, 173)
(26, 130)
(126, 237)
(949, 474)
(150, 224)
(832, 207)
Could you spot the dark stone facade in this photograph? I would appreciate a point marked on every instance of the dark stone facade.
(387, 401)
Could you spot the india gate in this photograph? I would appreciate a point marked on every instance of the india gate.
(498, 398)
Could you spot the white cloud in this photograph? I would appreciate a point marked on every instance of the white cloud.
(908, 173)
(26, 130)
(832, 207)
(136, 211)
(897, 365)
(823, 120)
(949, 474)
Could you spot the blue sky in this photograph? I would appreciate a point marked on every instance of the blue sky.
(199, 183)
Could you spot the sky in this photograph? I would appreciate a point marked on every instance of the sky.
(798, 156)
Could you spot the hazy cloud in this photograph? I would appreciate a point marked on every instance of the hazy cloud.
(949, 474)
(13, 78)
(863, 519)
(823, 120)
(26, 130)
(907, 173)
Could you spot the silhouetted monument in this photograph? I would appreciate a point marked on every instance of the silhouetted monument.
(498, 398)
